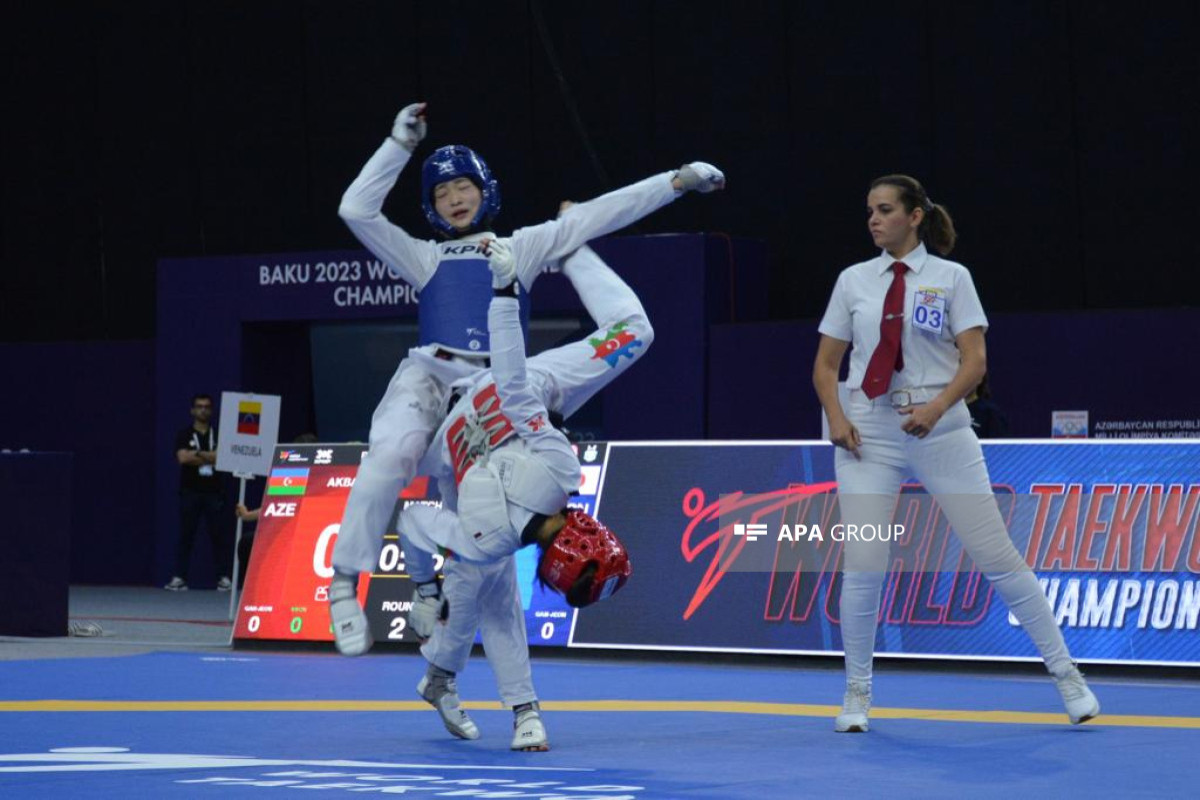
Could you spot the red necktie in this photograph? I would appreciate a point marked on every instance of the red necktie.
(887, 357)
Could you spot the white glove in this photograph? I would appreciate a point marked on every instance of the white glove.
(700, 177)
(501, 262)
(351, 630)
(427, 603)
(409, 128)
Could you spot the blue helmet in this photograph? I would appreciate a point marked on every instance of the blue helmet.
(456, 161)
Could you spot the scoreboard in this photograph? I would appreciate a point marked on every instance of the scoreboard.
(714, 532)
(286, 594)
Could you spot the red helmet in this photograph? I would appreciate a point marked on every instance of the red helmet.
(581, 543)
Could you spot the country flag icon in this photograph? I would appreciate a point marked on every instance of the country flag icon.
(616, 343)
(291, 481)
(248, 418)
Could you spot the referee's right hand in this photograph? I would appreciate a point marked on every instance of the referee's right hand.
(845, 435)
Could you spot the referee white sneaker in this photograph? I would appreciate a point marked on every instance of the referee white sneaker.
(529, 734)
(856, 705)
(351, 631)
(1081, 704)
(441, 692)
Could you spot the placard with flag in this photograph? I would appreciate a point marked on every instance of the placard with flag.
(249, 429)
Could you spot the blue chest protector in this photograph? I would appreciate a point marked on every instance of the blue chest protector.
(454, 304)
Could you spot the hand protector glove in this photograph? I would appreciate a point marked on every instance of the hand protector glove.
(428, 608)
(501, 262)
(351, 630)
(409, 128)
(700, 177)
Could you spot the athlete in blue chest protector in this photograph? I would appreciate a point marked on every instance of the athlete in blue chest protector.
(460, 198)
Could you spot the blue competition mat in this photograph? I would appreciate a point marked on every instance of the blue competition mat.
(233, 726)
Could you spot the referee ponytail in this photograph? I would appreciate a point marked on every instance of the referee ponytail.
(937, 227)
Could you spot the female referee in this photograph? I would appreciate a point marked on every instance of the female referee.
(918, 333)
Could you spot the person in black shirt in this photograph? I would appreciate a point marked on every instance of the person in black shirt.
(200, 494)
(988, 419)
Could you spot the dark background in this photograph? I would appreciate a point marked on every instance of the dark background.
(1054, 131)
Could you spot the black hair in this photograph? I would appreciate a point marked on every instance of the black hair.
(580, 593)
(937, 227)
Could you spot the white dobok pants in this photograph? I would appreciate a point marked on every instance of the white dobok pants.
(485, 598)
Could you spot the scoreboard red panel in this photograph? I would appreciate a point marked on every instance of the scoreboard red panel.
(286, 595)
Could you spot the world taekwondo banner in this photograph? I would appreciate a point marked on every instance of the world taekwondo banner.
(739, 547)
(744, 547)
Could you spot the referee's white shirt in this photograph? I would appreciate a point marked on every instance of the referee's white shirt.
(856, 309)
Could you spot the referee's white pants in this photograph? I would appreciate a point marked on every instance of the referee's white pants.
(949, 463)
(401, 429)
(485, 597)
